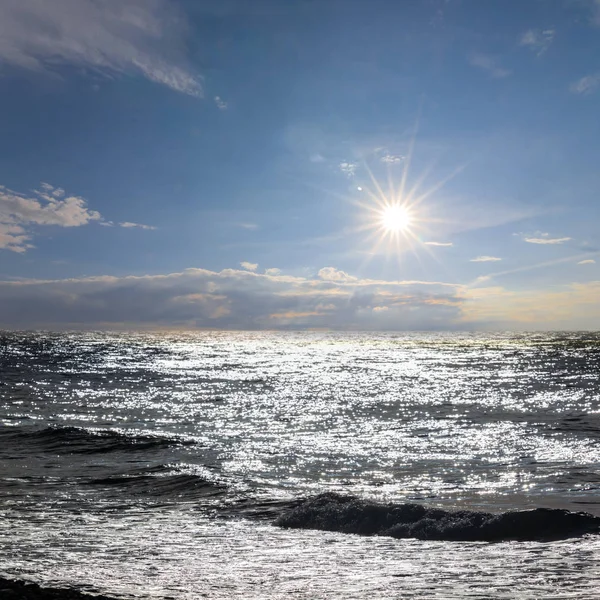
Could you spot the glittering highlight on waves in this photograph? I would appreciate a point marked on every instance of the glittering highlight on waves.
(333, 465)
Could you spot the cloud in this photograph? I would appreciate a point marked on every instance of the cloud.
(538, 41)
(589, 261)
(571, 306)
(348, 168)
(586, 85)
(489, 65)
(229, 299)
(533, 267)
(546, 240)
(221, 104)
(45, 207)
(485, 259)
(129, 225)
(128, 37)
(249, 266)
(240, 299)
(441, 244)
(332, 274)
(392, 158)
(594, 8)
(273, 272)
(251, 226)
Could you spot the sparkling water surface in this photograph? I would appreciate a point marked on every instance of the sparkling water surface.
(478, 421)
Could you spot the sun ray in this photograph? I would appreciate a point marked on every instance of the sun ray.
(396, 223)
(438, 186)
(411, 147)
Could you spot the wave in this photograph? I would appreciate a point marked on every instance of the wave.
(161, 481)
(583, 424)
(77, 440)
(349, 514)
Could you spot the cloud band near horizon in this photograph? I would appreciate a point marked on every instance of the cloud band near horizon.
(246, 300)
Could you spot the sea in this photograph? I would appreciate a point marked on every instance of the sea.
(302, 465)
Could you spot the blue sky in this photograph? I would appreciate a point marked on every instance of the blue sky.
(227, 164)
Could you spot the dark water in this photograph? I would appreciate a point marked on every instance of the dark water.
(243, 464)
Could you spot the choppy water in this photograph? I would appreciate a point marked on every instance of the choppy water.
(157, 465)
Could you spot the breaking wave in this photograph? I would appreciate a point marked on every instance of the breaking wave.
(349, 514)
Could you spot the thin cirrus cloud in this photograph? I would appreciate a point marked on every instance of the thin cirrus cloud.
(586, 84)
(130, 225)
(221, 104)
(392, 159)
(489, 64)
(538, 41)
(588, 261)
(439, 244)
(348, 168)
(485, 259)
(545, 240)
(128, 37)
(594, 12)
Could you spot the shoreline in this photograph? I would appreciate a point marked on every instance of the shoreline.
(23, 590)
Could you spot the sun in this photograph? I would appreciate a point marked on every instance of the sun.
(395, 218)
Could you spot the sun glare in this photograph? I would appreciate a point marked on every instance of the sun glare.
(396, 218)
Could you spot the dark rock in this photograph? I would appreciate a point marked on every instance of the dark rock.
(13, 590)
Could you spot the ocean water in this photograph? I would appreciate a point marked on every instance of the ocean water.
(287, 465)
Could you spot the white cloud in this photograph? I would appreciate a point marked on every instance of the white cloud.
(14, 237)
(380, 309)
(249, 266)
(108, 38)
(273, 272)
(392, 158)
(348, 168)
(589, 261)
(248, 225)
(130, 225)
(537, 40)
(442, 244)
(586, 84)
(221, 104)
(333, 274)
(489, 65)
(18, 212)
(546, 240)
(486, 259)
